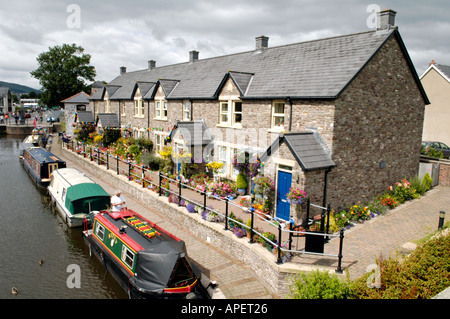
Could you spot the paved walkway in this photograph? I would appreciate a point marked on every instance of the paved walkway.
(382, 235)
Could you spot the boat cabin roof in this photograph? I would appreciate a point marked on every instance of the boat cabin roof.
(141, 233)
(43, 156)
(70, 176)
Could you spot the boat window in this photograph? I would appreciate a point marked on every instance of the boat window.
(127, 256)
(63, 196)
(100, 231)
(183, 274)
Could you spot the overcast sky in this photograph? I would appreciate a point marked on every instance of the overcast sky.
(129, 33)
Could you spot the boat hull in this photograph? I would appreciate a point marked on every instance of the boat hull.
(71, 220)
(40, 182)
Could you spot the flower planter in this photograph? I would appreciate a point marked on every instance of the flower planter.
(241, 191)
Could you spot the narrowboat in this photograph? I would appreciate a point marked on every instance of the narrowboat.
(147, 261)
(40, 164)
(75, 195)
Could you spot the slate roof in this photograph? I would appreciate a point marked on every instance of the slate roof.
(194, 132)
(80, 97)
(445, 70)
(108, 120)
(314, 69)
(85, 117)
(306, 148)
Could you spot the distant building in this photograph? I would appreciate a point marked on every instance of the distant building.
(72, 105)
(6, 100)
(436, 82)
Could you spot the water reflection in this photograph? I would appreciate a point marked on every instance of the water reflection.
(31, 231)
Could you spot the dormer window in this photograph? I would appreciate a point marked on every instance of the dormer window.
(231, 113)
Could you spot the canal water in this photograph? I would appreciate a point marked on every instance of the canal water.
(32, 231)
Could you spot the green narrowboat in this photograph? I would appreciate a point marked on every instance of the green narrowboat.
(146, 260)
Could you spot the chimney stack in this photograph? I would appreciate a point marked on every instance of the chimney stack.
(386, 19)
(193, 56)
(123, 70)
(151, 64)
(262, 43)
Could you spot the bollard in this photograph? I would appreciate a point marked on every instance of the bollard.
(441, 219)
(341, 243)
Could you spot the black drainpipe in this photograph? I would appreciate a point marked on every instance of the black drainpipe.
(119, 115)
(325, 187)
(192, 109)
(288, 99)
(148, 119)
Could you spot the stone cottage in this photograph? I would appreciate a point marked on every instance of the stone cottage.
(339, 117)
(72, 106)
(436, 81)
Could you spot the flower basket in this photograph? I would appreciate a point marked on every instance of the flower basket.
(296, 196)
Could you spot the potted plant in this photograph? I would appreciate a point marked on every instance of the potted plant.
(249, 226)
(167, 188)
(241, 184)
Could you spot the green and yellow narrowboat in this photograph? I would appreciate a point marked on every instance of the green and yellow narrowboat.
(146, 260)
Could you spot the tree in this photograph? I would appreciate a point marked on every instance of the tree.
(62, 72)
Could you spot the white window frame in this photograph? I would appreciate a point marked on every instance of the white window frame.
(275, 116)
(161, 109)
(123, 111)
(186, 110)
(230, 113)
(100, 231)
(159, 146)
(138, 108)
(127, 254)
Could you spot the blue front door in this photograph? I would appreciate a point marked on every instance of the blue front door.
(283, 185)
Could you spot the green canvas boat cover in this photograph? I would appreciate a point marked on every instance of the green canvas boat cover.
(86, 197)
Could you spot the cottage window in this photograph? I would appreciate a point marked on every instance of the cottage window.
(138, 108)
(158, 109)
(278, 115)
(127, 256)
(159, 142)
(161, 109)
(231, 113)
(186, 111)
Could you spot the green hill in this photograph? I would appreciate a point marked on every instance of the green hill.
(17, 88)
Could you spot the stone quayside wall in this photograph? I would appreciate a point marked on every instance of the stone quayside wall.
(255, 256)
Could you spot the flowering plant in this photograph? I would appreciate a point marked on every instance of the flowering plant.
(214, 166)
(403, 191)
(296, 195)
(263, 184)
(220, 188)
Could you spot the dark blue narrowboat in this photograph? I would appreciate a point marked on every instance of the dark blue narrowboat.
(40, 163)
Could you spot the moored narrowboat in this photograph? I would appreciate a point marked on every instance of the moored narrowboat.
(75, 195)
(40, 164)
(146, 260)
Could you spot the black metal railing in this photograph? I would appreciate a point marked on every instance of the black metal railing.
(140, 174)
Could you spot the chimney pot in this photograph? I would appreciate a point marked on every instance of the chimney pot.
(193, 56)
(432, 62)
(386, 19)
(151, 64)
(123, 70)
(262, 42)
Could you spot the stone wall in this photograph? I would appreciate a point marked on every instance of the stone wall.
(444, 173)
(377, 129)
